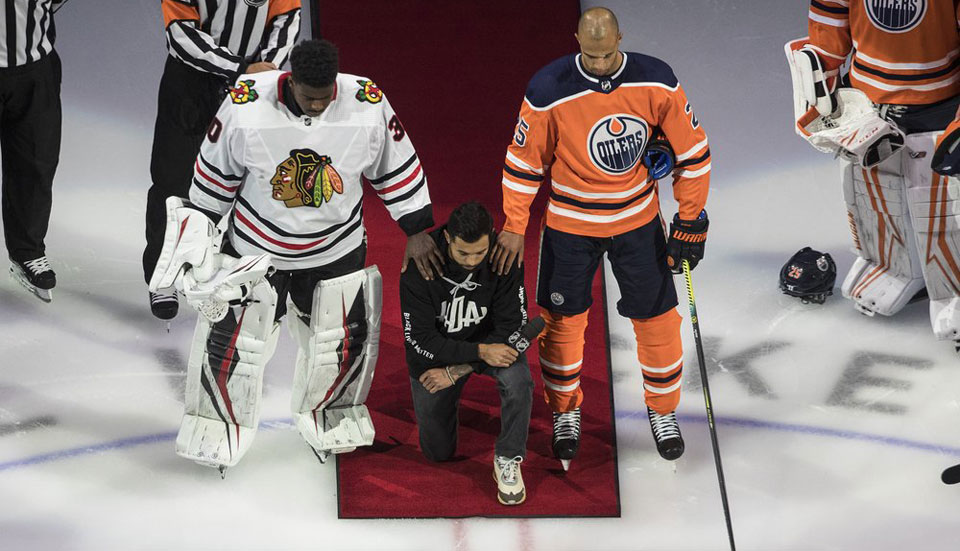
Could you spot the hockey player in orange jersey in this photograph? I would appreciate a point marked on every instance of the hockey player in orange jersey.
(876, 82)
(586, 123)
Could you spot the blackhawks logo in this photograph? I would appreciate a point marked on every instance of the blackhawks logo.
(369, 92)
(243, 92)
(305, 179)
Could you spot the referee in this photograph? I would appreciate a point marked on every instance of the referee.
(29, 136)
(210, 44)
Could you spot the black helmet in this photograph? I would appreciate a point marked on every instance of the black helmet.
(809, 275)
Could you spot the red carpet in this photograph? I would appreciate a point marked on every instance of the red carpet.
(456, 78)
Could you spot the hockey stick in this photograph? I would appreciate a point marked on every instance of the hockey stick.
(707, 400)
(951, 475)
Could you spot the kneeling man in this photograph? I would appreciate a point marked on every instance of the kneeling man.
(459, 324)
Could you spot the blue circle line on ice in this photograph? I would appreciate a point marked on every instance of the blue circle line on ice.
(126, 443)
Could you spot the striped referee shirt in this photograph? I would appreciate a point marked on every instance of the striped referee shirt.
(26, 30)
(224, 36)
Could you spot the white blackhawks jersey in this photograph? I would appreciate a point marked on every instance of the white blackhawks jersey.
(292, 184)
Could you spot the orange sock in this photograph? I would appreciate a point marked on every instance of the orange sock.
(660, 352)
(561, 357)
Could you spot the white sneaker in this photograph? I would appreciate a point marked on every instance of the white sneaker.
(510, 489)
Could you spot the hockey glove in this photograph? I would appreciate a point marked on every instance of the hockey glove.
(687, 240)
(659, 159)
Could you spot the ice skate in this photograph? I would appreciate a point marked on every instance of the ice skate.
(322, 456)
(566, 436)
(666, 432)
(510, 489)
(164, 304)
(36, 276)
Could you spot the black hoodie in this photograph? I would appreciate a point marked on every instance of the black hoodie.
(445, 319)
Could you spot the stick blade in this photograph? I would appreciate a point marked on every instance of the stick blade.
(951, 475)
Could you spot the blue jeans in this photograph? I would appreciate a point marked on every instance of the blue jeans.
(438, 414)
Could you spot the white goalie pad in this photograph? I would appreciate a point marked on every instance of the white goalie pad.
(336, 360)
(855, 131)
(190, 261)
(935, 206)
(225, 381)
(887, 272)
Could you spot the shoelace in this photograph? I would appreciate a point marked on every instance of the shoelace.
(38, 265)
(566, 425)
(509, 468)
(157, 298)
(664, 426)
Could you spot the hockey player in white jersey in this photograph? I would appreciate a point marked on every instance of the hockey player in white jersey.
(282, 168)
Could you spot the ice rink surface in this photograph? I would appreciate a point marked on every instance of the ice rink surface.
(834, 427)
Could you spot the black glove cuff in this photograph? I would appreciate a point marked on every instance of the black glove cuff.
(699, 225)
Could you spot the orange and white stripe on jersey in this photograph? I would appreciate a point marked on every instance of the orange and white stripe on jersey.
(591, 133)
(904, 51)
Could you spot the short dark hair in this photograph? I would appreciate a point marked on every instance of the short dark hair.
(470, 222)
(315, 63)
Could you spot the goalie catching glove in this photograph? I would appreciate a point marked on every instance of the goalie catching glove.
(191, 262)
(687, 241)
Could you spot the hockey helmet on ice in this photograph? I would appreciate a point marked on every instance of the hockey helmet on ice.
(809, 275)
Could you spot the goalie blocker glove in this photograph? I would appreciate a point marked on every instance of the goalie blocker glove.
(687, 241)
(809, 275)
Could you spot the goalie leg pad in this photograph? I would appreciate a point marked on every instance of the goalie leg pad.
(887, 272)
(935, 205)
(225, 381)
(336, 360)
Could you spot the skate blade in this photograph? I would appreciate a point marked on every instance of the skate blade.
(46, 295)
(321, 455)
(566, 464)
(219, 466)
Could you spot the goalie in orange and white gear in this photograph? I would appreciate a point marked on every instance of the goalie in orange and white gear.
(876, 83)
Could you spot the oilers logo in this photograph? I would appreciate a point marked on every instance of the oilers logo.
(616, 142)
(895, 16)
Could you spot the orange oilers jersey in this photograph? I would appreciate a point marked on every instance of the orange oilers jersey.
(904, 51)
(591, 132)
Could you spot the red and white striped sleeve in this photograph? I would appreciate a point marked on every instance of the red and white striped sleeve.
(217, 172)
(398, 176)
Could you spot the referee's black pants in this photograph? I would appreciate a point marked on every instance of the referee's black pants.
(30, 118)
(187, 102)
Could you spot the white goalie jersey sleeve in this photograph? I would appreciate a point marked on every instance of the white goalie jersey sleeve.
(217, 172)
(398, 177)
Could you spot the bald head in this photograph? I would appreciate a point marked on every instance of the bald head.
(597, 24)
(599, 36)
